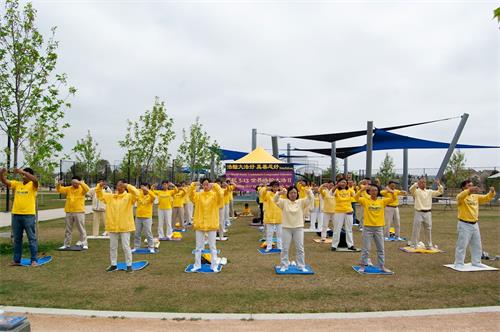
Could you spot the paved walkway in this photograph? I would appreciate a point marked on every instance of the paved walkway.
(43, 215)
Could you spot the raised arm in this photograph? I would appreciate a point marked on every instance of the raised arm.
(133, 191)
(192, 192)
(85, 187)
(27, 175)
(488, 197)
(309, 198)
(3, 177)
(278, 200)
(439, 191)
(100, 194)
(390, 198)
(262, 193)
(62, 189)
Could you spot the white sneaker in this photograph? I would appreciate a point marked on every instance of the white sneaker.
(63, 247)
(215, 269)
(194, 269)
(78, 243)
(283, 269)
(104, 233)
(85, 247)
(133, 250)
(304, 269)
(152, 250)
(268, 249)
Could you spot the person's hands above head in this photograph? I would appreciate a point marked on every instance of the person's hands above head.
(492, 189)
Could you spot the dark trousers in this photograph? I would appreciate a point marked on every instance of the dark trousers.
(20, 223)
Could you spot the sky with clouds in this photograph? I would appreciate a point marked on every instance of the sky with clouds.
(283, 67)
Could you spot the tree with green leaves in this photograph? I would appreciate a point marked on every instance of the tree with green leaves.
(148, 139)
(455, 172)
(30, 91)
(87, 154)
(386, 171)
(195, 150)
(496, 14)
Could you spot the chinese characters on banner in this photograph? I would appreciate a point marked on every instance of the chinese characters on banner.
(248, 176)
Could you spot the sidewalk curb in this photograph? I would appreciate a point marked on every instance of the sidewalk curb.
(244, 316)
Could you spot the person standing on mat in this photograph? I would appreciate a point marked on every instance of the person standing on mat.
(165, 208)
(302, 188)
(23, 213)
(293, 224)
(392, 210)
(206, 219)
(315, 210)
(178, 208)
(119, 220)
(343, 215)
(360, 217)
(423, 215)
(98, 209)
(468, 223)
(75, 210)
(374, 223)
(144, 217)
(328, 207)
(188, 207)
(272, 215)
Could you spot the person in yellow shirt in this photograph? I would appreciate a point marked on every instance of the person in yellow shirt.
(144, 217)
(272, 215)
(423, 206)
(326, 193)
(315, 211)
(178, 207)
(188, 207)
(228, 196)
(303, 187)
(359, 215)
(343, 215)
(119, 220)
(23, 213)
(293, 224)
(206, 219)
(392, 210)
(165, 199)
(468, 222)
(75, 210)
(374, 224)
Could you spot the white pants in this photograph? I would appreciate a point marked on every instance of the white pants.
(326, 221)
(188, 212)
(143, 224)
(422, 218)
(468, 234)
(297, 235)
(392, 214)
(200, 245)
(226, 212)
(222, 228)
(339, 220)
(164, 217)
(315, 217)
(113, 247)
(270, 230)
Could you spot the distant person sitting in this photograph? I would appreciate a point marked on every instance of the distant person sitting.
(468, 222)
(23, 213)
(75, 210)
(246, 211)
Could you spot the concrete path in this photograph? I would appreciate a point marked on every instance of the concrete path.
(43, 215)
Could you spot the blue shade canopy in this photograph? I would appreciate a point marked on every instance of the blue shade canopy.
(231, 155)
(384, 140)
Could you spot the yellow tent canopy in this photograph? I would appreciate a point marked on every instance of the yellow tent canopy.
(258, 156)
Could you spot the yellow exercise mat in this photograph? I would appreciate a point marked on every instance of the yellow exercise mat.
(420, 250)
(329, 241)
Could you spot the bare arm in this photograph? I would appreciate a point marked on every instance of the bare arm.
(3, 177)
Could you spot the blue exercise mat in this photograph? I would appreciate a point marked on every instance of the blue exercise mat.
(145, 251)
(8, 323)
(205, 268)
(40, 261)
(394, 239)
(293, 269)
(168, 239)
(264, 240)
(139, 265)
(180, 230)
(205, 251)
(272, 251)
(371, 270)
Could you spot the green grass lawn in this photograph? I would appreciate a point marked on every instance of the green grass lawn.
(248, 283)
(46, 200)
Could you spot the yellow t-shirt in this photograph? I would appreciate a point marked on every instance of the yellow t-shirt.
(343, 201)
(24, 197)
(165, 198)
(272, 212)
(374, 210)
(119, 209)
(316, 201)
(179, 199)
(468, 205)
(353, 193)
(397, 193)
(328, 201)
(75, 197)
(145, 204)
(206, 207)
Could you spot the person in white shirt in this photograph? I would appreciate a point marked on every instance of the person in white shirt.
(98, 209)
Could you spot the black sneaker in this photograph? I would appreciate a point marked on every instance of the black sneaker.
(333, 249)
(111, 268)
(129, 269)
(353, 248)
